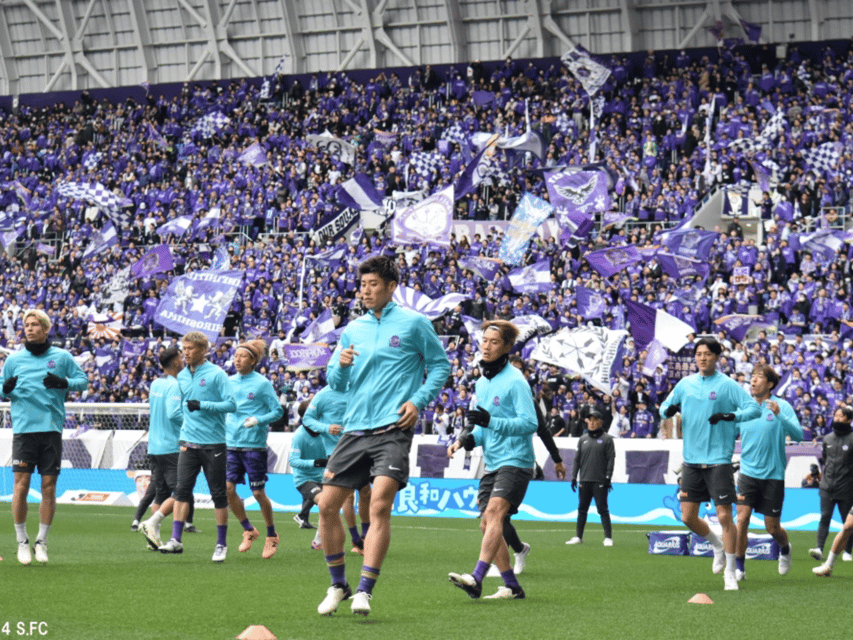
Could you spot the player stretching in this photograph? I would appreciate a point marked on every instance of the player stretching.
(380, 362)
(761, 482)
(246, 438)
(207, 397)
(506, 421)
(35, 379)
(710, 403)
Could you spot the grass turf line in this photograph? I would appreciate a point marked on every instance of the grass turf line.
(102, 582)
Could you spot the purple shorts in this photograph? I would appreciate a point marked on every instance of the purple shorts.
(241, 462)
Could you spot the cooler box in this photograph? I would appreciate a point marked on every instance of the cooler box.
(761, 547)
(669, 543)
(700, 547)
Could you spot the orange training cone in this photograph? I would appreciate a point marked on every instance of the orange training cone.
(701, 598)
(257, 632)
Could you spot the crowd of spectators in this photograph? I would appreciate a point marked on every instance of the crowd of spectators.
(651, 138)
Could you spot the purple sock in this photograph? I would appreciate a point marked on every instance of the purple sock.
(337, 568)
(177, 529)
(271, 531)
(480, 570)
(246, 524)
(353, 531)
(509, 578)
(221, 530)
(364, 527)
(368, 579)
(740, 562)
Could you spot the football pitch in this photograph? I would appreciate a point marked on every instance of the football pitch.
(102, 582)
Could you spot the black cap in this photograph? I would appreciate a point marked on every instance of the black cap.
(595, 412)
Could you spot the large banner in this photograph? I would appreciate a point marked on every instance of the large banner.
(198, 301)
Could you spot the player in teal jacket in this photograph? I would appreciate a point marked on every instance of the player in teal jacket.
(761, 482)
(506, 421)
(35, 380)
(246, 438)
(710, 403)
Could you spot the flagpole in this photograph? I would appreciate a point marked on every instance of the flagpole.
(592, 138)
(299, 297)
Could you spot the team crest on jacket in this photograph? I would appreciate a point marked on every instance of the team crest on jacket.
(769, 416)
(251, 396)
(394, 341)
(202, 383)
(51, 364)
(496, 401)
(713, 395)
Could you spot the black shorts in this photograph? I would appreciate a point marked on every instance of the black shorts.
(164, 475)
(42, 449)
(358, 459)
(309, 490)
(764, 496)
(208, 458)
(509, 483)
(712, 482)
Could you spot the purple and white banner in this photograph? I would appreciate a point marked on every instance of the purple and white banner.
(254, 155)
(738, 325)
(198, 301)
(101, 240)
(680, 267)
(690, 243)
(535, 278)
(486, 268)
(335, 225)
(593, 352)
(529, 214)
(321, 329)
(591, 303)
(304, 357)
(578, 191)
(587, 71)
(649, 324)
(335, 147)
(428, 221)
(422, 303)
(360, 193)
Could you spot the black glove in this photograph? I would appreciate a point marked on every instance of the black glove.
(609, 486)
(728, 417)
(9, 385)
(672, 409)
(574, 485)
(193, 405)
(53, 381)
(480, 417)
(321, 462)
(467, 440)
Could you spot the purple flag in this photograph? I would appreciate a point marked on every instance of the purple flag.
(574, 227)
(613, 259)
(533, 279)
(477, 169)
(656, 354)
(690, 243)
(761, 175)
(132, 349)
(482, 98)
(429, 220)
(198, 301)
(577, 192)
(302, 357)
(338, 223)
(359, 193)
(155, 136)
(648, 324)
(680, 267)
(101, 240)
(752, 30)
(737, 325)
(322, 329)
(717, 30)
(486, 268)
(155, 260)
(591, 303)
(254, 155)
(587, 71)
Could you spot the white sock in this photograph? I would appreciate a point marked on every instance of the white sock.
(44, 529)
(830, 559)
(21, 532)
(317, 537)
(156, 518)
(731, 565)
(714, 539)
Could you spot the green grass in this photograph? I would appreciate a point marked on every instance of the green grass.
(102, 582)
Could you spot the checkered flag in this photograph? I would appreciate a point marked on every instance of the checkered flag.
(96, 193)
(426, 162)
(208, 125)
(455, 134)
(285, 65)
(824, 157)
(92, 161)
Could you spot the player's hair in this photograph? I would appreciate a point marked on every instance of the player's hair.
(303, 407)
(713, 346)
(196, 337)
(257, 347)
(768, 372)
(167, 355)
(517, 361)
(39, 315)
(508, 331)
(383, 266)
(847, 411)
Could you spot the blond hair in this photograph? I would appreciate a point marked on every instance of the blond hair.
(196, 337)
(41, 316)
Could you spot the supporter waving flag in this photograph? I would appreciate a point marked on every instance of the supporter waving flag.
(530, 213)
(593, 352)
(422, 303)
(613, 259)
(649, 324)
(101, 240)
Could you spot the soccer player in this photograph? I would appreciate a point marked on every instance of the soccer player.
(167, 417)
(836, 487)
(206, 397)
(35, 380)
(505, 422)
(761, 482)
(323, 416)
(309, 454)
(246, 438)
(380, 362)
(710, 403)
(593, 465)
